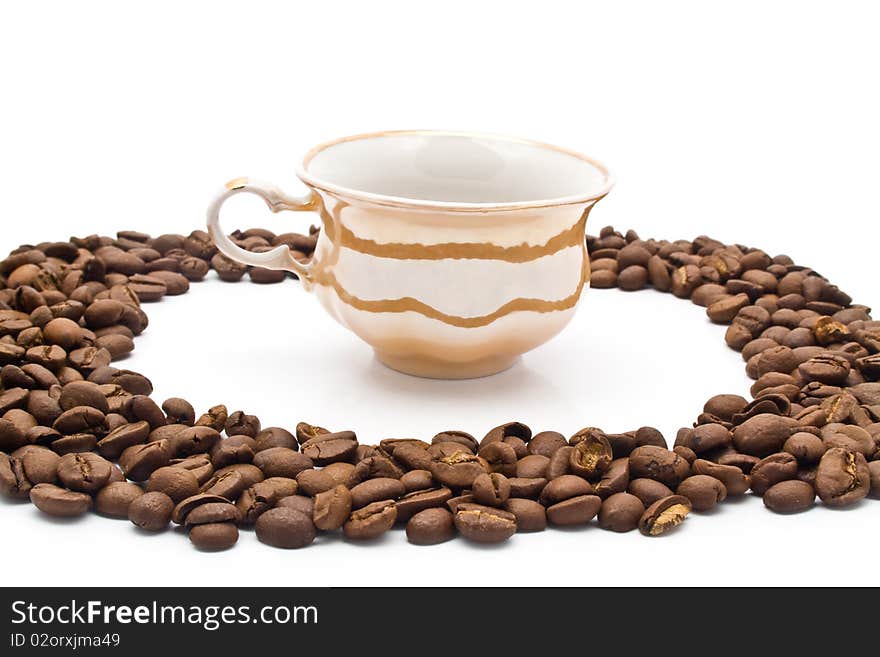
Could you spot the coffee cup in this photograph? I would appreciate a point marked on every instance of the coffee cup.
(450, 253)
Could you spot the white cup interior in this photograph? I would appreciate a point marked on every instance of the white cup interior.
(454, 168)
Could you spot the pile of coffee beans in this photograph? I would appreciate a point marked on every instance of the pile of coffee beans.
(79, 434)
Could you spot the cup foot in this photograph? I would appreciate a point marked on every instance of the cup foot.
(430, 368)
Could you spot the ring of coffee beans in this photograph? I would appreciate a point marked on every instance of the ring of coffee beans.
(77, 433)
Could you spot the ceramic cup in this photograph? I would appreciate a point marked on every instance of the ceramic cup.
(451, 254)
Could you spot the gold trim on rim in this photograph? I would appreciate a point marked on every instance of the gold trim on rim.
(403, 202)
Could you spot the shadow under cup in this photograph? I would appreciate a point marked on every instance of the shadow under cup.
(451, 254)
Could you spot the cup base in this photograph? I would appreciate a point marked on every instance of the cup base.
(429, 368)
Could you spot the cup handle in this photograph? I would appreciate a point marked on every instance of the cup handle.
(278, 258)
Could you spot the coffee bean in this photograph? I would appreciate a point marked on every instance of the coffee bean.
(735, 482)
(664, 514)
(57, 501)
(138, 462)
(118, 440)
(281, 461)
(212, 512)
(312, 482)
(500, 457)
(546, 443)
(430, 527)
(805, 447)
(530, 515)
(591, 455)
(621, 512)
(703, 491)
(526, 488)
(299, 503)
(39, 464)
(842, 478)
(563, 488)
(705, 437)
(462, 438)
(484, 524)
(177, 483)
(151, 511)
(771, 470)
(576, 510)
(375, 490)
(371, 521)
(242, 423)
(331, 447)
(763, 434)
(417, 480)
(214, 536)
(491, 489)
(419, 500)
(658, 463)
(85, 473)
(791, 496)
(116, 497)
(615, 479)
(275, 437)
(333, 507)
(457, 470)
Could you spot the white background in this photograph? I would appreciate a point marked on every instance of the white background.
(754, 122)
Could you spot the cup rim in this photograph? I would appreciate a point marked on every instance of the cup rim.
(402, 201)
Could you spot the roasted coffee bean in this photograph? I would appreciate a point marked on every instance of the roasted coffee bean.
(83, 393)
(115, 498)
(281, 461)
(457, 470)
(546, 443)
(791, 496)
(177, 483)
(415, 501)
(430, 527)
(299, 503)
(491, 489)
(705, 437)
(275, 437)
(139, 461)
(658, 463)
(212, 512)
(526, 488)
(331, 447)
(704, 492)
(531, 466)
(576, 510)
(560, 462)
(763, 434)
(591, 455)
(151, 511)
(194, 440)
(39, 464)
(179, 411)
(236, 449)
(57, 501)
(842, 478)
(262, 496)
(123, 437)
(374, 490)
(372, 467)
(735, 482)
(563, 488)
(500, 457)
(462, 438)
(615, 479)
(312, 482)
(805, 447)
(484, 524)
(772, 469)
(621, 512)
(215, 418)
(84, 473)
(214, 536)
(417, 480)
(13, 480)
(530, 515)
(242, 423)
(664, 514)
(371, 521)
(333, 507)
